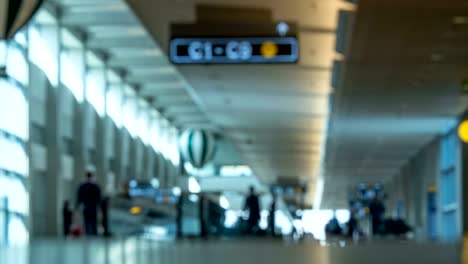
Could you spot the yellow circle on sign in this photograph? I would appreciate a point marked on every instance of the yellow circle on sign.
(135, 210)
(269, 49)
(463, 131)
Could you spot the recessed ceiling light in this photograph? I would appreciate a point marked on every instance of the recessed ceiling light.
(460, 20)
(437, 57)
(282, 29)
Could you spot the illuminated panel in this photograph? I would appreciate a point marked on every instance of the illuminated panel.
(234, 50)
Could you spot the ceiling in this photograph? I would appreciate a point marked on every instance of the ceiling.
(400, 88)
(276, 115)
(113, 33)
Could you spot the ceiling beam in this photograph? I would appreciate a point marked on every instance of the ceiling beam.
(120, 42)
(83, 19)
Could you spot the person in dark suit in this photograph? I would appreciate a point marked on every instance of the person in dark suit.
(105, 216)
(271, 217)
(377, 211)
(67, 215)
(89, 200)
(252, 204)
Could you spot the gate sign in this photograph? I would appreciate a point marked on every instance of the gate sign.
(234, 50)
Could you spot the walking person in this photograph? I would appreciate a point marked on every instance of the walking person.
(89, 201)
(67, 216)
(252, 204)
(105, 216)
(271, 216)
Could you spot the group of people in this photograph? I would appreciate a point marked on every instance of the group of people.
(376, 213)
(380, 226)
(252, 206)
(89, 203)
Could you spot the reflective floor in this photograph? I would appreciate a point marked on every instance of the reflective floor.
(136, 251)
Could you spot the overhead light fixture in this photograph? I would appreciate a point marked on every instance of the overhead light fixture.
(282, 28)
(460, 20)
(436, 57)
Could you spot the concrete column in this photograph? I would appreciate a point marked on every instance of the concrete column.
(118, 157)
(131, 158)
(102, 163)
(79, 132)
(144, 162)
(103, 129)
(162, 170)
(53, 143)
(126, 143)
(139, 162)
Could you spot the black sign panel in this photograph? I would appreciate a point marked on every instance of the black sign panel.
(234, 50)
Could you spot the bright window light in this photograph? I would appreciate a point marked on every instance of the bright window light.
(114, 104)
(264, 219)
(129, 114)
(20, 38)
(283, 222)
(206, 171)
(3, 53)
(70, 74)
(174, 147)
(95, 90)
(224, 202)
(314, 221)
(17, 232)
(176, 191)
(17, 66)
(231, 218)
(342, 216)
(154, 138)
(164, 138)
(14, 111)
(143, 122)
(193, 198)
(13, 157)
(43, 52)
(319, 193)
(156, 231)
(235, 171)
(155, 183)
(193, 185)
(16, 193)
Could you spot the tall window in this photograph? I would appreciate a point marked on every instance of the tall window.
(71, 73)
(95, 90)
(43, 50)
(114, 103)
(449, 187)
(14, 162)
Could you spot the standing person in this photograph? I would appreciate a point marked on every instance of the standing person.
(352, 224)
(105, 216)
(271, 216)
(89, 200)
(67, 215)
(377, 211)
(252, 204)
(333, 227)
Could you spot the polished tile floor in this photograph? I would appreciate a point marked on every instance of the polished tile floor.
(136, 251)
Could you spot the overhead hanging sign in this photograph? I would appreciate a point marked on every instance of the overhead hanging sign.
(234, 50)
